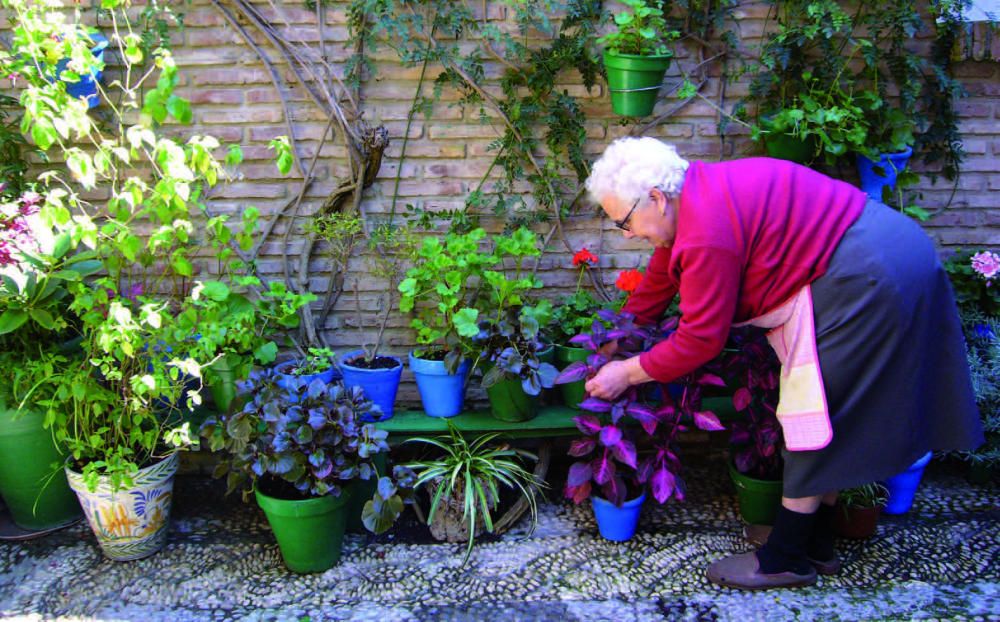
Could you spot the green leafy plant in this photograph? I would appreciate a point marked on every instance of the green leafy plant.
(317, 361)
(982, 339)
(471, 474)
(13, 151)
(575, 314)
(871, 495)
(642, 30)
(975, 279)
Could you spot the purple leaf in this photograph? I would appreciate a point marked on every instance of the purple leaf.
(578, 494)
(662, 484)
(588, 424)
(618, 410)
(625, 453)
(614, 491)
(579, 473)
(610, 436)
(706, 420)
(584, 341)
(575, 371)
(644, 471)
(597, 361)
(607, 315)
(581, 447)
(638, 410)
(596, 405)
(742, 398)
(711, 379)
(603, 469)
(617, 333)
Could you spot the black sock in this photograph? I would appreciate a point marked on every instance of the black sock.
(820, 544)
(785, 550)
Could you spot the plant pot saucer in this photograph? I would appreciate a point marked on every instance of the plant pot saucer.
(10, 532)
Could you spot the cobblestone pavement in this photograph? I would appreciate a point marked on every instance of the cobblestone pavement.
(221, 563)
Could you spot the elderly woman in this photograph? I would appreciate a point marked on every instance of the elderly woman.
(864, 322)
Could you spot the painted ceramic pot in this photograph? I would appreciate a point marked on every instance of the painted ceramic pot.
(130, 523)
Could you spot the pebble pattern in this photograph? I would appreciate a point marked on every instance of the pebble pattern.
(940, 561)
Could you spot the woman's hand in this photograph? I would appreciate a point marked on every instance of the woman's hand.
(615, 377)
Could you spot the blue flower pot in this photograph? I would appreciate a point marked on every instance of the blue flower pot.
(86, 87)
(380, 385)
(285, 378)
(617, 523)
(441, 393)
(902, 487)
(889, 165)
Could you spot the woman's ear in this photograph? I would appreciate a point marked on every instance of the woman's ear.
(661, 200)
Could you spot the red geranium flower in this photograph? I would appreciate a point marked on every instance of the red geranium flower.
(628, 280)
(584, 256)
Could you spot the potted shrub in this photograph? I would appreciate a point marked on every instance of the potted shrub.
(36, 268)
(379, 374)
(888, 147)
(507, 338)
(858, 510)
(440, 291)
(636, 56)
(299, 447)
(464, 484)
(982, 338)
(574, 314)
(319, 363)
(612, 465)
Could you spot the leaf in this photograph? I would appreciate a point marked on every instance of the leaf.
(573, 373)
(610, 436)
(215, 290)
(179, 108)
(712, 380)
(588, 424)
(594, 404)
(625, 453)
(466, 322)
(603, 468)
(581, 447)
(662, 484)
(579, 474)
(707, 420)
(11, 320)
(43, 317)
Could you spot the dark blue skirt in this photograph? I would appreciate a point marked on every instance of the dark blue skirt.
(892, 356)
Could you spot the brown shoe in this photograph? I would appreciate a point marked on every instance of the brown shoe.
(757, 536)
(743, 571)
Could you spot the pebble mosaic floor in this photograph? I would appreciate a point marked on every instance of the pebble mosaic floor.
(940, 561)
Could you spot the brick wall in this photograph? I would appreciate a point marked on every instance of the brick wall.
(234, 99)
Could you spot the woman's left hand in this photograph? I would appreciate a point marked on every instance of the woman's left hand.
(611, 381)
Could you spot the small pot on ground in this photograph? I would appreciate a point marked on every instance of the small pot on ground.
(286, 371)
(856, 523)
(903, 487)
(759, 499)
(378, 378)
(442, 393)
(572, 392)
(310, 531)
(130, 523)
(617, 523)
(38, 497)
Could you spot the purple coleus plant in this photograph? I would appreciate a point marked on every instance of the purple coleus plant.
(610, 458)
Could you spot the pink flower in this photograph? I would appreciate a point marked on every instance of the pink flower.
(29, 203)
(6, 256)
(986, 264)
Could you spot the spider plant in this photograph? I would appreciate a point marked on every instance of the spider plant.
(475, 470)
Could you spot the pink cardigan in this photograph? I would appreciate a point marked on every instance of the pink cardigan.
(751, 233)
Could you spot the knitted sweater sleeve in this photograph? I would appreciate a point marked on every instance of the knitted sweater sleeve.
(709, 290)
(654, 293)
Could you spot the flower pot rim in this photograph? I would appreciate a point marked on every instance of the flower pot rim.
(342, 361)
(174, 455)
(302, 507)
(608, 53)
(630, 503)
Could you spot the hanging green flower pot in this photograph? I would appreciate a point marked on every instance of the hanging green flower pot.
(310, 532)
(37, 495)
(634, 82)
(221, 378)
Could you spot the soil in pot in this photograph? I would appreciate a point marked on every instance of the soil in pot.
(379, 362)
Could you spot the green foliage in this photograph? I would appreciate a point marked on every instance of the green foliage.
(13, 152)
(642, 31)
(982, 338)
(575, 314)
(867, 496)
(471, 474)
(282, 154)
(973, 293)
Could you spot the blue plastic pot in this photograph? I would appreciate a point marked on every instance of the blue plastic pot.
(86, 87)
(441, 393)
(889, 165)
(380, 385)
(617, 523)
(285, 378)
(902, 487)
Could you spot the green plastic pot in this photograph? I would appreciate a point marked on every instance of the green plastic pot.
(509, 402)
(634, 82)
(573, 392)
(36, 493)
(310, 533)
(785, 147)
(221, 378)
(361, 492)
(759, 499)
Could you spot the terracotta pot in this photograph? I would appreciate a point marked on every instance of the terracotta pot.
(854, 522)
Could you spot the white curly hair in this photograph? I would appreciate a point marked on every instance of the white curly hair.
(631, 167)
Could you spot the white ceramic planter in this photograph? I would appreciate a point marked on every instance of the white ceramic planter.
(130, 523)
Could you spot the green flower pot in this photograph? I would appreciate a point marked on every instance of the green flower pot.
(310, 533)
(634, 82)
(759, 499)
(362, 491)
(574, 392)
(221, 378)
(509, 402)
(785, 147)
(36, 493)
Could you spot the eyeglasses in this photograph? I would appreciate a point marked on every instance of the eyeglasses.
(623, 223)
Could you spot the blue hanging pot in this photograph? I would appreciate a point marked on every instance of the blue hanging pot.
(379, 384)
(441, 393)
(876, 175)
(903, 487)
(86, 87)
(617, 523)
